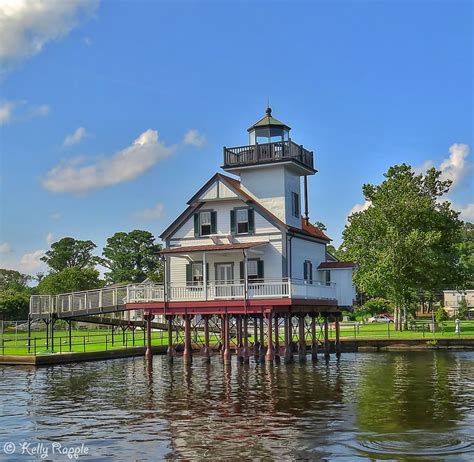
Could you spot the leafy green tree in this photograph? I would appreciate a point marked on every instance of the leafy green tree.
(70, 280)
(377, 305)
(320, 225)
(463, 309)
(406, 239)
(466, 251)
(70, 253)
(441, 315)
(14, 304)
(131, 257)
(12, 278)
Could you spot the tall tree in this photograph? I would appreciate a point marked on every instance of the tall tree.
(70, 253)
(406, 240)
(13, 278)
(69, 280)
(131, 257)
(466, 250)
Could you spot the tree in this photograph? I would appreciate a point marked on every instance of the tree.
(131, 257)
(70, 280)
(12, 278)
(466, 251)
(320, 225)
(377, 305)
(14, 304)
(463, 309)
(70, 253)
(405, 241)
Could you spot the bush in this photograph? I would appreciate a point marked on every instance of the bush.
(375, 306)
(441, 315)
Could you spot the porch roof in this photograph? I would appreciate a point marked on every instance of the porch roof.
(212, 248)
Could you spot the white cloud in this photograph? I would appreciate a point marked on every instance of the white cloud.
(5, 247)
(49, 238)
(80, 176)
(194, 138)
(55, 216)
(6, 109)
(31, 261)
(467, 211)
(39, 111)
(75, 137)
(154, 213)
(455, 167)
(359, 208)
(26, 26)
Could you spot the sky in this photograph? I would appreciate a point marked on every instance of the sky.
(113, 113)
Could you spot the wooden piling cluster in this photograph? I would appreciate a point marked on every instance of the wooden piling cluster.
(267, 336)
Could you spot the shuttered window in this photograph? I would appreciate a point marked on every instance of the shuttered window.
(242, 221)
(205, 223)
(308, 272)
(295, 204)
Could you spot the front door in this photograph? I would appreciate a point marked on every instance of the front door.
(224, 279)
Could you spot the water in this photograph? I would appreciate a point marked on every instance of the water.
(367, 406)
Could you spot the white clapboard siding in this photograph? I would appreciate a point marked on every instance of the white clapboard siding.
(303, 249)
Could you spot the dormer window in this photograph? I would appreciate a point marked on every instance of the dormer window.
(295, 204)
(205, 223)
(242, 221)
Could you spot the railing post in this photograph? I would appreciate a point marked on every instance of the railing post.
(100, 299)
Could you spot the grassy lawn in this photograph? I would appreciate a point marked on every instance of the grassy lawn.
(12, 343)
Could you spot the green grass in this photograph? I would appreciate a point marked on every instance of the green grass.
(13, 343)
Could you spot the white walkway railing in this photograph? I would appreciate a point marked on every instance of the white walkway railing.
(99, 300)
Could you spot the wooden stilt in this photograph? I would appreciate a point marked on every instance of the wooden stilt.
(301, 338)
(246, 339)
(314, 339)
(326, 336)
(338, 337)
(170, 353)
(288, 354)
(277, 338)
(149, 351)
(187, 353)
(240, 345)
(270, 354)
(227, 354)
(256, 343)
(262, 337)
(206, 351)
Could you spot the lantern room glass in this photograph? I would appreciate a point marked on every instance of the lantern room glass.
(268, 134)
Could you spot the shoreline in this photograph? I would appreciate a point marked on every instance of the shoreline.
(347, 346)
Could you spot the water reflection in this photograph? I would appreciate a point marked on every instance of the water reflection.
(367, 406)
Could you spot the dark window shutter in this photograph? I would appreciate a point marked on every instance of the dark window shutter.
(260, 269)
(233, 225)
(196, 225)
(213, 222)
(242, 273)
(310, 272)
(207, 272)
(189, 274)
(305, 275)
(251, 218)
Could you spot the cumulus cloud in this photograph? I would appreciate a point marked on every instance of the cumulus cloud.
(80, 176)
(5, 247)
(31, 261)
(466, 211)
(6, 109)
(153, 213)
(26, 26)
(359, 208)
(194, 138)
(75, 137)
(49, 238)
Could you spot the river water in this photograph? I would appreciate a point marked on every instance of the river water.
(367, 406)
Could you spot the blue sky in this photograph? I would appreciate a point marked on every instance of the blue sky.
(113, 113)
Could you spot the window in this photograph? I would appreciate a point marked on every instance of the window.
(197, 273)
(328, 277)
(295, 204)
(242, 221)
(308, 272)
(205, 222)
(252, 269)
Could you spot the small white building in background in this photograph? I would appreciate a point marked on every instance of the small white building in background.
(452, 298)
(248, 234)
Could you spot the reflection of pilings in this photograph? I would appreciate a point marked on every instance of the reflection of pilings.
(262, 337)
(187, 353)
(314, 340)
(170, 352)
(270, 355)
(256, 345)
(240, 345)
(338, 339)
(326, 336)
(301, 338)
(288, 354)
(227, 354)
